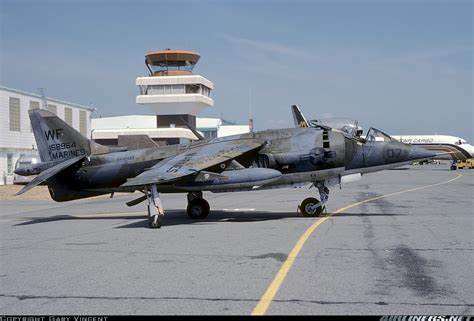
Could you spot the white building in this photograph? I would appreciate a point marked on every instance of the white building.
(176, 96)
(171, 88)
(16, 136)
(173, 92)
(217, 127)
(106, 130)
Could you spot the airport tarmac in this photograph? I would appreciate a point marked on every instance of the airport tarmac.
(409, 252)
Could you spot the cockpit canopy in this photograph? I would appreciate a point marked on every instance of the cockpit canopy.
(346, 125)
(376, 135)
(350, 128)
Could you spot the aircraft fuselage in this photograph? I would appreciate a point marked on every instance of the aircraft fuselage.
(302, 155)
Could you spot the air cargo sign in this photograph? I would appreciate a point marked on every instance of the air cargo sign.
(417, 140)
(61, 150)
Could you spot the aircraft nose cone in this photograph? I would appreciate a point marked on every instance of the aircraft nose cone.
(420, 153)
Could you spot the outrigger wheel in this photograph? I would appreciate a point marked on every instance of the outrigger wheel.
(154, 221)
(309, 207)
(198, 208)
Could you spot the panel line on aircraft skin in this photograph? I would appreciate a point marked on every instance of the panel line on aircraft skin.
(267, 298)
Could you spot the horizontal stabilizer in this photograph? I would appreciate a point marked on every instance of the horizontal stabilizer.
(50, 172)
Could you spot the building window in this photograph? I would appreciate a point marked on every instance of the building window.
(210, 134)
(177, 89)
(192, 89)
(33, 105)
(155, 90)
(14, 114)
(166, 90)
(9, 164)
(68, 116)
(144, 89)
(52, 108)
(206, 91)
(82, 123)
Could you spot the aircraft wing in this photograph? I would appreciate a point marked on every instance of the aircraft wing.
(193, 160)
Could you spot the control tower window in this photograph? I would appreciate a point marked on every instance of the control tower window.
(206, 91)
(144, 89)
(178, 89)
(162, 65)
(192, 89)
(155, 90)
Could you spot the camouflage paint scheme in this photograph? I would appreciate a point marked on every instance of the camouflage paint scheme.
(75, 167)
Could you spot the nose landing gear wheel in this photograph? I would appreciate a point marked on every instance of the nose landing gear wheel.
(309, 209)
(198, 208)
(154, 221)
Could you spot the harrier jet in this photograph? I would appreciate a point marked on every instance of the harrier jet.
(75, 167)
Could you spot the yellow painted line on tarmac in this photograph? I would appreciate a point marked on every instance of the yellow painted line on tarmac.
(267, 298)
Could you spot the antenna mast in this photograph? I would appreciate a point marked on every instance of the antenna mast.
(250, 111)
(43, 98)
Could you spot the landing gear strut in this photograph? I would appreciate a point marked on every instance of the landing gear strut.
(312, 206)
(198, 207)
(155, 207)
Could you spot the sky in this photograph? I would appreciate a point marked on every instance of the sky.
(405, 67)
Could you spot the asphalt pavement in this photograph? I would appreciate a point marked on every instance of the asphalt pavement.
(408, 253)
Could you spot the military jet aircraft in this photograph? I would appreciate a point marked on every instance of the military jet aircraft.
(75, 167)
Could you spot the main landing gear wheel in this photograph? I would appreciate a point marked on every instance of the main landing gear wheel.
(308, 207)
(198, 208)
(154, 221)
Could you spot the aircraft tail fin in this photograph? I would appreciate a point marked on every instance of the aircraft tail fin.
(300, 120)
(57, 141)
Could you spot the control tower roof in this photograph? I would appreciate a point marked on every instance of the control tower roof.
(171, 62)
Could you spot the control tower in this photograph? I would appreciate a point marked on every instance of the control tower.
(171, 89)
